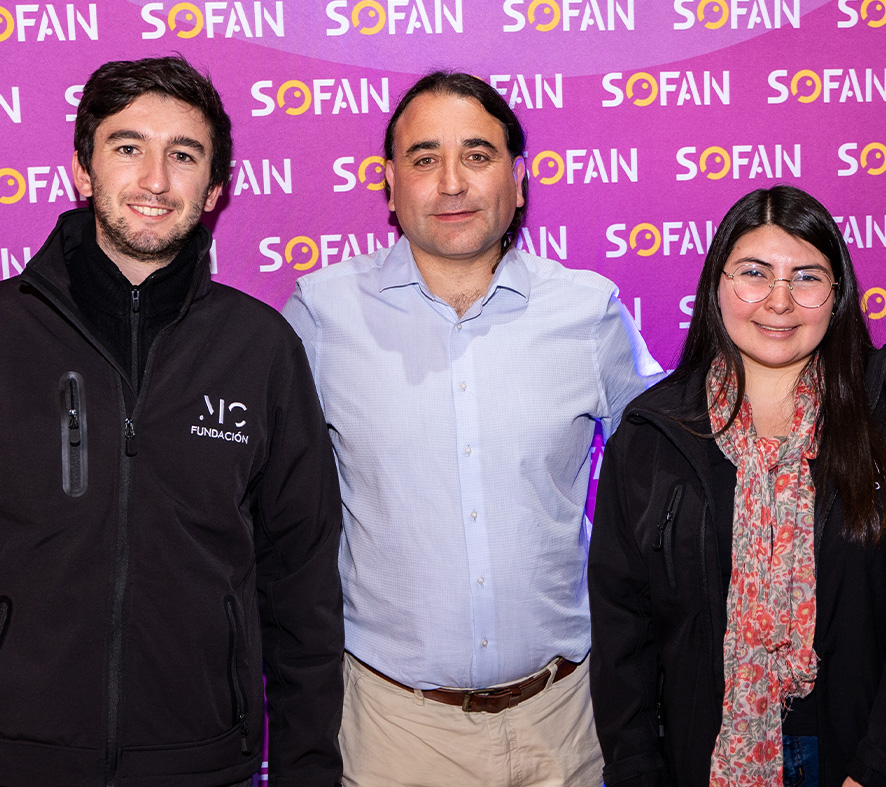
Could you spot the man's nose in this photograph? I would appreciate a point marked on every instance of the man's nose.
(154, 174)
(452, 178)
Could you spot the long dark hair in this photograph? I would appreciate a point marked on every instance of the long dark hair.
(852, 453)
(115, 85)
(455, 83)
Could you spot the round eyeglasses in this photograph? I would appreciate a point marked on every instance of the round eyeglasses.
(809, 288)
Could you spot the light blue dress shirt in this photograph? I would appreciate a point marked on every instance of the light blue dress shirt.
(463, 452)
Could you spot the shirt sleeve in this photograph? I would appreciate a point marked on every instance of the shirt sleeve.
(299, 316)
(296, 510)
(626, 368)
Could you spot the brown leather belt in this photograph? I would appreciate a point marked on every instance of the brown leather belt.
(492, 700)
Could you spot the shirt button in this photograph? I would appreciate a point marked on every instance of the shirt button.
(474, 515)
(468, 450)
(480, 581)
(458, 326)
(463, 386)
(484, 642)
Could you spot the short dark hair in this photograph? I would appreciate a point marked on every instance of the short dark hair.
(852, 454)
(456, 83)
(115, 85)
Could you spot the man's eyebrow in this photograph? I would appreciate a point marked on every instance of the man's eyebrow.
(428, 144)
(179, 141)
(478, 142)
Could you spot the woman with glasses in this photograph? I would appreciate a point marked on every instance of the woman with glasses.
(737, 563)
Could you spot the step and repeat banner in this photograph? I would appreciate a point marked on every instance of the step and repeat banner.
(646, 120)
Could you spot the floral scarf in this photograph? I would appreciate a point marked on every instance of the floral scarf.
(767, 651)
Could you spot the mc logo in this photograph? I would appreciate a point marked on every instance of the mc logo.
(371, 173)
(872, 159)
(188, 20)
(872, 13)
(369, 17)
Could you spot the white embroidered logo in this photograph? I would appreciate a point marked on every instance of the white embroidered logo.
(219, 411)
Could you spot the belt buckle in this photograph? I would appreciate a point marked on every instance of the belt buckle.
(486, 693)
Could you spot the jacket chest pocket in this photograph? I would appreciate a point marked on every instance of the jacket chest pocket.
(664, 538)
(72, 406)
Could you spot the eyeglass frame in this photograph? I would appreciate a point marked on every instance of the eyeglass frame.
(835, 285)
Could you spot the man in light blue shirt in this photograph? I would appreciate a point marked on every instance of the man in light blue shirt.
(461, 380)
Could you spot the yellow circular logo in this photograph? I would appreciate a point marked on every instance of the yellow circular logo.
(720, 157)
(879, 294)
(550, 159)
(810, 81)
(646, 83)
(377, 163)
(191, 14)
(720, 6)
(376, 16)
(14, 180)
(8, 24)
(880, 6)
(299, 91)
(645, 232)
(876, 150)
(307, 249)
(549, 9)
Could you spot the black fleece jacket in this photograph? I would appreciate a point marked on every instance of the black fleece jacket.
(158, 542)
(658, 613)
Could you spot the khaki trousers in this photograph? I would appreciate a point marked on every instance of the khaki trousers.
(394, 738)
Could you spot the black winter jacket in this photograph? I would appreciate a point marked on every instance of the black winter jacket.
(658, 611)
(154, 547)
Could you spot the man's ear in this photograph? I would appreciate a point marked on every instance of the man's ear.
(82, 179)
(212, 197)
(519, 174)
(389, 177)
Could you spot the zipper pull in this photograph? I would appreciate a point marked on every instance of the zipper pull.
(129, 434)
(668, 518)
(244, 731)
(135, 300)
(74, 427)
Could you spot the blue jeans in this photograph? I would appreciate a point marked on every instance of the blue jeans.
(800, 760)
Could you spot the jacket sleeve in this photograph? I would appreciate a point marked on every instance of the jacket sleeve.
(623, 661)
(868, 765)
(297, 522)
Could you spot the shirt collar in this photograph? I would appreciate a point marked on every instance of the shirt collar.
(399, 270)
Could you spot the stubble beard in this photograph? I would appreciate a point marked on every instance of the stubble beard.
(144, 246)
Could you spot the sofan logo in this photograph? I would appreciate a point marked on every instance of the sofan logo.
(532, 91)
(370, 172)
(584, 165)
(36, 183)
(569, 15)
(871, 160)
(739, 162)
(225, 19)
(863, 86)
(735, 14)
(303, 252)
(369, 17)
(44, 22)
(224, 419)
(866, 12)
(324, 96)
(667, 239)
(667, 88)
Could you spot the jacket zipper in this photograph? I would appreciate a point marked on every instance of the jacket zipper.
(5, 615)
(73, 435)
(665, 537)
(240, 705)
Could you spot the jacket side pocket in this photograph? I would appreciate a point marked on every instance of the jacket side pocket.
(5, 615)
(72, 402)
(664, 541)
(238, 694)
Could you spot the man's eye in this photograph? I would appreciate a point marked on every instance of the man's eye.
(424, 161)
(183, 157)
(478, 157)
(126, 150)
